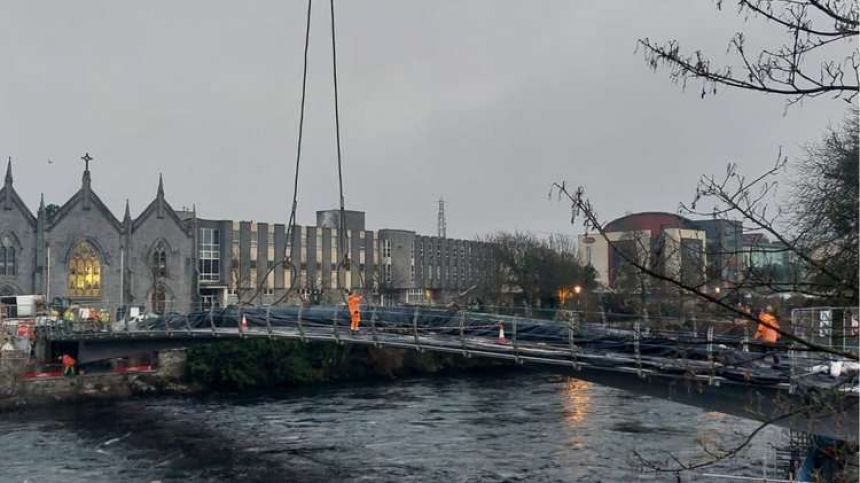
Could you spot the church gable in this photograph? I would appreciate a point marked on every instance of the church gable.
(85, 204)
(13, 211)
(159, 210)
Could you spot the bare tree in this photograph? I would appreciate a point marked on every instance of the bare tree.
(539, 267)
(817, 57)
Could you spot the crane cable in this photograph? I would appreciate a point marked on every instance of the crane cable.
(344, 263)
(342, 228)
(291, 226)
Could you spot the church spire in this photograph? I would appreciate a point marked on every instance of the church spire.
(86, 158)
(159, 197)
(127, 216)
(7, 192)
(86, 180)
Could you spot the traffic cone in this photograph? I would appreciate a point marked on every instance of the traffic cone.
(244, 324)
(502, 339)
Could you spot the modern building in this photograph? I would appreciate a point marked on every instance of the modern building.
(664, 242)
(166, 260)
(724, 240)
(767, 261)
(246, 262)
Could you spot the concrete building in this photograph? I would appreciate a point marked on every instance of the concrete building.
(245, 261)
(665, 242)
(724, 240)
(763, 259)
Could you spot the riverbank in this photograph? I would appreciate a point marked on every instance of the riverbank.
(233, 366)
(169, 376)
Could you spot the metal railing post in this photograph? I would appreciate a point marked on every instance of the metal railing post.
(299, 323)
(334, 325)
(695, 326)
(269, 321)
(373, 334)
(187, 324)
(239, 323)
(463, 333)
(212, 320)
(710, 346)
(571, 327)
(514, 340)
(636, 347)
(415, 328)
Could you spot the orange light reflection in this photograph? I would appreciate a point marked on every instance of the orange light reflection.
(578, 404)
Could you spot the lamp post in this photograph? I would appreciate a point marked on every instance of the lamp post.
(576, 290)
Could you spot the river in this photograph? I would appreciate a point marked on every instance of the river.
(530, 427)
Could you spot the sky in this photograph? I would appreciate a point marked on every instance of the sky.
(483, 103)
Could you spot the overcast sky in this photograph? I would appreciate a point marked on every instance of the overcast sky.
(484, 103)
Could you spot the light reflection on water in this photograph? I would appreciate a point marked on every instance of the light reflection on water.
(578, 402)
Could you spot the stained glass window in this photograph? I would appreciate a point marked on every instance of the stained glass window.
(85, 274)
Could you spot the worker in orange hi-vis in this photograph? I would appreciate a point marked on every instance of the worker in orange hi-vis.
(768, 327)
(768, 330)
(354, 303)
(68, 364)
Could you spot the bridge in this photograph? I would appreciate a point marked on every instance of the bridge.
(706, 367)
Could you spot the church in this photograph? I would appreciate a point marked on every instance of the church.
(83, 253)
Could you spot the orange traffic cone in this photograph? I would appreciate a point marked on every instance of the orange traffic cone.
(244, 324)
(502, 339)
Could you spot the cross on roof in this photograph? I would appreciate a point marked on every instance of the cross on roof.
(86, 158)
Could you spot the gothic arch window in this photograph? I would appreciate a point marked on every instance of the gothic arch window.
(160, 298)
(8, 262)
(158, 260)
(85, 271)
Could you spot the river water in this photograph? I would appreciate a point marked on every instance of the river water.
(527, 426)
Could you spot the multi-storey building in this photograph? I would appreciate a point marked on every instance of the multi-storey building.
(246, 262)
(168, 260)
(664, 242)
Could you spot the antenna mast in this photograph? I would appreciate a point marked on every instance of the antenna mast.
(440, 222)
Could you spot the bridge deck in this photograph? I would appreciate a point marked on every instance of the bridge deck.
(704, 372)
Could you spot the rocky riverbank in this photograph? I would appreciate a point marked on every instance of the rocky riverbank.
(236, 366)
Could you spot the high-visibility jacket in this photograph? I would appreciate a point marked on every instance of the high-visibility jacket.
(68, 361)
(354, 301)
(765, 333)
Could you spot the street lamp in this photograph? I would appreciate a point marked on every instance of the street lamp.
(577, 289)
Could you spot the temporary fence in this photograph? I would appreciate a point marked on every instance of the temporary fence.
(835, 327)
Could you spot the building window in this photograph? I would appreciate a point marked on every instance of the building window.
(85, 272)
(159, 261)
(158, 300)
(387, 269)
(386, 248)
(209, 255)
(7, 257)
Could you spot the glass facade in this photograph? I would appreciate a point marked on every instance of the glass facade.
(209, 255)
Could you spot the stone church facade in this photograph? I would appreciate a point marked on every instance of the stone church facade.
(83, 253)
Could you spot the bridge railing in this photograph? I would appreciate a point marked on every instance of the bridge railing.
(636, 333)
